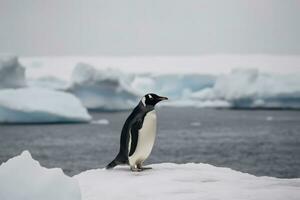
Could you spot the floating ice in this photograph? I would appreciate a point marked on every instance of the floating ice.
(181, 79)
(102, 89)
(33, 105)
(184, 181)
(100, 121)
(12, 73)
(248, 88)
(23, 178)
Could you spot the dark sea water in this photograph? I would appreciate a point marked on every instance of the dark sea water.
(263, 143)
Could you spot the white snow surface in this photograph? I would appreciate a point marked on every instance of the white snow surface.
(184, 182)
(33, 105)
(102, 89)
(12, 73)
(22, 178)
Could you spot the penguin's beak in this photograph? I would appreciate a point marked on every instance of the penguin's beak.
(163, 98)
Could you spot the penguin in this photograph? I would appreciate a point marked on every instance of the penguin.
(138, 134)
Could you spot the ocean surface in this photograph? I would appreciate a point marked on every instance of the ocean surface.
(259, 142)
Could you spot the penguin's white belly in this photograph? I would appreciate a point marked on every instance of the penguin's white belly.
(146, 139)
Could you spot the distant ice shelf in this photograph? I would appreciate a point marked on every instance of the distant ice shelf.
(33, 105)
(21, 176)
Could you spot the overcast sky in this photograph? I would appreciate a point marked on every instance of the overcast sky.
(153, 27)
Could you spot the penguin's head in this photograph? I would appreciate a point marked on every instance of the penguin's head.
(152, 99)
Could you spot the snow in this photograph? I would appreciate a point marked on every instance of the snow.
(33, 105)
(12, 73)
(184, 181)
(102, 89)
(23, 178)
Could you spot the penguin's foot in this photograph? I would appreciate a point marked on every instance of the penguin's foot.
(135, 169)
(143, 168)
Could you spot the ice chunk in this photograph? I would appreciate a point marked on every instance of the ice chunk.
(12, 73)
(103, 89)
(184, 181)
(100, 122)
(24, 178)
(248, 88)
(33, 105)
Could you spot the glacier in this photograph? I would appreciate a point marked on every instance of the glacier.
(35, 105)
(12, 73)
(23, 178)
(107, 90)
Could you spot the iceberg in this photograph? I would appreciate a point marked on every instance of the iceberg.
(248, 88)
(102, 89)
(34, 105)
(175, 86)
(184, 181)
(187, 81)
(48, 82)
(12, 73)
(22, 177)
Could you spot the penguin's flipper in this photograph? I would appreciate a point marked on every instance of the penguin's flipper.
(134, 136)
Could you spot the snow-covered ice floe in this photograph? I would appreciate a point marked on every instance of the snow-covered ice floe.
(33, 105)
(102, 89)
(184, 182)
(22, 178)
(12, 73)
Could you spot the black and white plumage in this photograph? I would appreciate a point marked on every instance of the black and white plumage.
(138, 134)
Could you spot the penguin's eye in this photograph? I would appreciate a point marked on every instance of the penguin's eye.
(150, 96)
